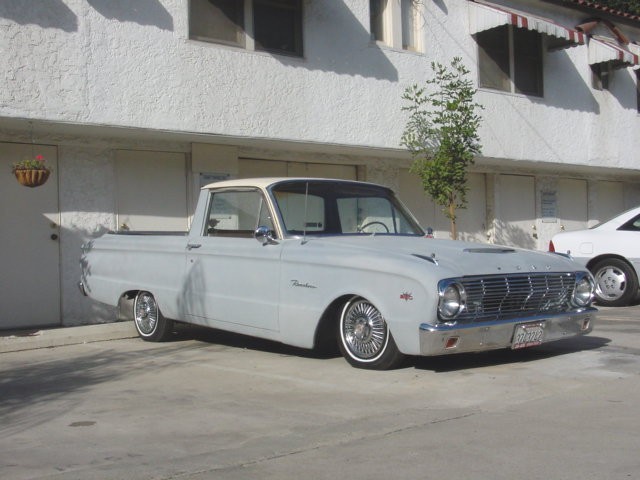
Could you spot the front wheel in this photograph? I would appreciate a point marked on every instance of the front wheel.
(150, 323)
(364, 337)
(616, 282)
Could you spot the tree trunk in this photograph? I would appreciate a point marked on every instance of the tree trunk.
(452, 217)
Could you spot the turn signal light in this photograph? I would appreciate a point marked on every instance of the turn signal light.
(452, 342)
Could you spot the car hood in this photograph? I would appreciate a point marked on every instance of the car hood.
(458, 258)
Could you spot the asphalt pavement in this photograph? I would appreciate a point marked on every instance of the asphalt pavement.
(91, 403)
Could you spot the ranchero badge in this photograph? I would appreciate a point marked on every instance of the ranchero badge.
(296, 283)
(406, 296)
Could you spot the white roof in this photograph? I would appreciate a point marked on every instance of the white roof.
(265, 182)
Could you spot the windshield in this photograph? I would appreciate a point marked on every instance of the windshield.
(322, 207)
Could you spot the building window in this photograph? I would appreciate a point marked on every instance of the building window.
(409, 13)
(396, 23)
(600, 75)
(218, 20)
(510, 60)
(266, 25)
(376, 16)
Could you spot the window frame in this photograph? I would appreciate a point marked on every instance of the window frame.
(514, 88)
(247, 31)
(237, 233)
(392, 19)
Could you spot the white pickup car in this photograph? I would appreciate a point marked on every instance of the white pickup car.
(315, 262)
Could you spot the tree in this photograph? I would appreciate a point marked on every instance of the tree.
(442, 135)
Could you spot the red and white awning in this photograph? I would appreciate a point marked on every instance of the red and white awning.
(483, 17)
(602, 50)
(635, 49)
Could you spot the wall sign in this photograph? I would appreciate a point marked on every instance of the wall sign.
(549, 207)
(207, 178)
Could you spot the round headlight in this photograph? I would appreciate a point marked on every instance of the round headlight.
(583, 293)
(452, 300)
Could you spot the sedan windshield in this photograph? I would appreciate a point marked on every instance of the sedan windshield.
(320, 207)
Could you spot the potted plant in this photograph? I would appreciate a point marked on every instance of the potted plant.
(31, 172)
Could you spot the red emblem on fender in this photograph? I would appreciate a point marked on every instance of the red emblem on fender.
(406, 296)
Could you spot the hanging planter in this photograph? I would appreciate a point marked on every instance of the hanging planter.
(31, 172)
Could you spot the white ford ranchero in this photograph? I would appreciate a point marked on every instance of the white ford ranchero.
(315, 262)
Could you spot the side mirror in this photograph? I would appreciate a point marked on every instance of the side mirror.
(265, 236)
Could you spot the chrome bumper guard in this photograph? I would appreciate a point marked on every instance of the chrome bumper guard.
(477, 337)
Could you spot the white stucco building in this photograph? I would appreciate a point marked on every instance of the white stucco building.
(135, 105)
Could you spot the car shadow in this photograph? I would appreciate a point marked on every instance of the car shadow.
(466, 361)
(439, 364)
(186, 332)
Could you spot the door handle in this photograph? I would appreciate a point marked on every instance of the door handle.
(191, 246)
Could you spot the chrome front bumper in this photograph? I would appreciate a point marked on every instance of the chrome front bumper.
(477, 337)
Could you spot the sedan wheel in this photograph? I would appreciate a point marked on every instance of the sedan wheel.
(149, 322)
(616, 282)
(365, 339)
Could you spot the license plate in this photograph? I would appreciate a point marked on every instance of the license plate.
(528, 335)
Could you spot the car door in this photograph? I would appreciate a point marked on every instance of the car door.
(232, 279)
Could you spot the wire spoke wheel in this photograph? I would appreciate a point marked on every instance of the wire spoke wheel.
(151, 325)
(364, 337)
(146, 313)
(364, 330)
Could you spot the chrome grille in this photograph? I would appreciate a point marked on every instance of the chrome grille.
(499, 297)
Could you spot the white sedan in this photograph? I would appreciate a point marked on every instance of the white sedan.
(611, 251)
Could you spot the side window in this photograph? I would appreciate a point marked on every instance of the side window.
(237, 214)
(510, 60)
(632, 225)
(267, 25)
(298, 217)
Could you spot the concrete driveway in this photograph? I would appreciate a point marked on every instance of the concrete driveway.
(214, 405)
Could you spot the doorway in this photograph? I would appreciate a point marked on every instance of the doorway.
(29, 243)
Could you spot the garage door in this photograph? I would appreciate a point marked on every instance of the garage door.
(515, 211)
(272, 168)
(608, 201)
(470, 221)
(151, 191)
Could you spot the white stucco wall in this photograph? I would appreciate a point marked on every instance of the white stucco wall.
(113, 63)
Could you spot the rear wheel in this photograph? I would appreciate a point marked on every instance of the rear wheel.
(150, 323)
(364, 337)
(616, 282)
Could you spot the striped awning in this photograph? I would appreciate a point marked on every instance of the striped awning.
(635, 49)
(603, 50)
(483, 16)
